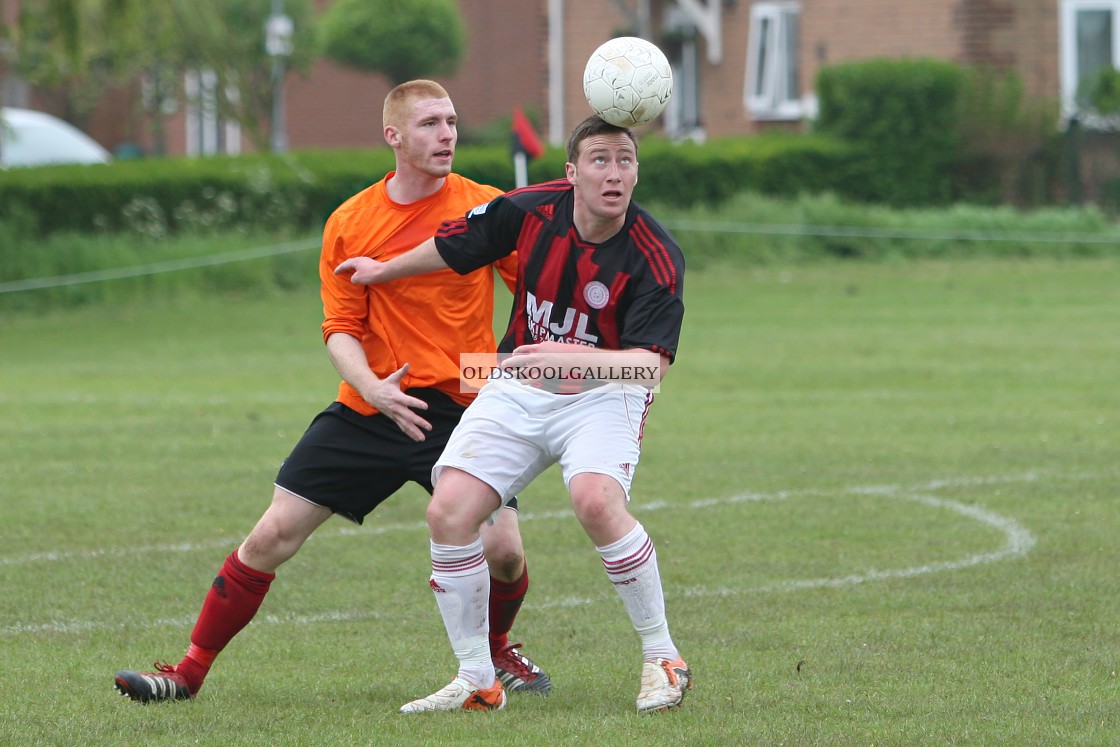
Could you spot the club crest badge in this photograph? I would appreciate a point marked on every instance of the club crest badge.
(596, 294)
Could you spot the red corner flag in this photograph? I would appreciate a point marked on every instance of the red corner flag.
(525, 138)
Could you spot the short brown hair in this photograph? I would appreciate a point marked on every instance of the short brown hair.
(594, 125)
(397, 102)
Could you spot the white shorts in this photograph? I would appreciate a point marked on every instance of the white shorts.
(511, 433)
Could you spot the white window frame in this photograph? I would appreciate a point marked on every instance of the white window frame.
(771, 53)
(1069, 75)
(207, 133)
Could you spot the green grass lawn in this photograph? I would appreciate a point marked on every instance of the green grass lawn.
(884, 497)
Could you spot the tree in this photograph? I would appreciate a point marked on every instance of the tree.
(402, 39)
(73, 51)
(226, 38)
(1102, 91)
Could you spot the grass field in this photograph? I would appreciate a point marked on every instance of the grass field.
(884, 496)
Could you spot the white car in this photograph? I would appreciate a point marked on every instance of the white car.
(32, 138)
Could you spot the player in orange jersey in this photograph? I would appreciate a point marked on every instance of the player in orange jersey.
(397, 348)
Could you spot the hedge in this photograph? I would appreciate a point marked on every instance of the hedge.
(163, 196)
(902, 117)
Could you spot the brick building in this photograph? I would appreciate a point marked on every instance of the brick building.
(739, 65)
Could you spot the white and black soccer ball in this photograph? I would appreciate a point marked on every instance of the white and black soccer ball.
(628, 81)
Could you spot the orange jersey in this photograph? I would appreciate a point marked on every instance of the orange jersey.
(426, 321)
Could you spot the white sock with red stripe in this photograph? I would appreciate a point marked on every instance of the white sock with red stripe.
(631, 565)
(461, 583)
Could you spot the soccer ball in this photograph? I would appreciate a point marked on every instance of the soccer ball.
(627, 81)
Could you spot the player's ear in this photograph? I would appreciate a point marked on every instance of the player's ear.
(570, 172)
(392, 136)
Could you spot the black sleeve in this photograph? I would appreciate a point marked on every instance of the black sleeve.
(485, 235)
(654, 317)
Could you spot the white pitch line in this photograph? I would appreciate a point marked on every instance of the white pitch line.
(90, 626)
(349, 531)
(1018, 542)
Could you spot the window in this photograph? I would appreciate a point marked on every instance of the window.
(773, 90)
(1090, 40)
(208, 132)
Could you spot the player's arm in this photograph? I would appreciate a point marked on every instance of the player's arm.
(349, 360)
(345, 321)
(653, 320)
(416, 261)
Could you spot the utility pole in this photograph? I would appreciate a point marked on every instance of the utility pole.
(278, 44)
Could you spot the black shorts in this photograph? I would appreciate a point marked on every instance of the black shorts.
(350, 463)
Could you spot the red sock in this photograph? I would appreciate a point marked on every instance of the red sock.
(233, 600)
(505, 601)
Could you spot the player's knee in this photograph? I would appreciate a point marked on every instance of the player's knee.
(597, 500)
(506, 564)
(590, 509)
(501, 541)
(458, 507)
(448, 519)
(267, 547)
(437, 515)
(591, 503)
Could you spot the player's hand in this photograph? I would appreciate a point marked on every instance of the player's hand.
(386, 395)
(548, 346)
(540, 354)
(542, 365)
(362, 270)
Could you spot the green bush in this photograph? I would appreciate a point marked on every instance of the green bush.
(688, 174)
(1008, 142)
(158, 198)
(1100, 92)
(901, 116)
(164, 196)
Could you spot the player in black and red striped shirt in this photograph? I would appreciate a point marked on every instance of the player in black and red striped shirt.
(599, 279)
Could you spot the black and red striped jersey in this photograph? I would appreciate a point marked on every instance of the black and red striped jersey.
(626, 292)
